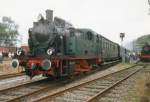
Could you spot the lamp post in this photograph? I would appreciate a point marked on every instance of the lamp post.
(122, 35)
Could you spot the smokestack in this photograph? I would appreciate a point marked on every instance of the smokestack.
(49, 15)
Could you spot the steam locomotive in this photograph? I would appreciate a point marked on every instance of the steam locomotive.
(145, 52)
(58, 49)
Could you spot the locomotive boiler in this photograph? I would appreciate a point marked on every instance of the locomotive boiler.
(58, 49)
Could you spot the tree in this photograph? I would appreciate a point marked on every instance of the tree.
(8, 32)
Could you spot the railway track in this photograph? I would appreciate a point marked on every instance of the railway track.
(11, 75)
(89, 91)
(24, 90)
(31, 92)
(20, 91)
(126, 91)
(17, 93)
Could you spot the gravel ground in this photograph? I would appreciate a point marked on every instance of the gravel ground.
(143, 86)
(135, 89)
(15, 81)
(140, 90)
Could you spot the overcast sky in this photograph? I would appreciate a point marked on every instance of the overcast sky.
(106, 17)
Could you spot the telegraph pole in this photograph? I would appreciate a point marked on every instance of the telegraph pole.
(122, 35)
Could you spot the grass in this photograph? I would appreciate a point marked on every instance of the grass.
(142, 88)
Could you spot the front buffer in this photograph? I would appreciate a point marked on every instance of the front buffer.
(57, 67)
(34, 66)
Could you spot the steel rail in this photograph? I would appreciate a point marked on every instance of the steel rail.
(20, 98)
(33, 92)
(109, 88)
(5, 76)
(53, 95)
(21, 86)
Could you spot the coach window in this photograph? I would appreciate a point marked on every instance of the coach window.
(97, 38)
(89, 35)
(114, 48)
(82, 35)
(72, 34)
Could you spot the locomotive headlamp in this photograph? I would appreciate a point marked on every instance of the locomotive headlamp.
(50, 51)
(19, 52)
(15, 63)
(46, 64)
